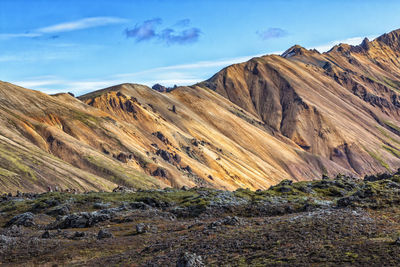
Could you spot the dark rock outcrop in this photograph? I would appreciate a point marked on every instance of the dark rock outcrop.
(187, 259)
(104, 233)
(24, 219)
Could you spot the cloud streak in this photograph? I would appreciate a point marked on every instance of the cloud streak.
(349, 41)
(147, 31)
(5, 36)
(81, 24)
(272, 33)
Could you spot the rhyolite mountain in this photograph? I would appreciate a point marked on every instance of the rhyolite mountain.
(295, 116)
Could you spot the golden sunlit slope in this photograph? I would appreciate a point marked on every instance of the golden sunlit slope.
(342, 105)
(295, 116)
(223, 145)
(56, 141)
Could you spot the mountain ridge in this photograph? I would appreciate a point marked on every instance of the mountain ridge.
(295, 116)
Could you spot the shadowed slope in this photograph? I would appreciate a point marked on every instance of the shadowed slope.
(342, 105)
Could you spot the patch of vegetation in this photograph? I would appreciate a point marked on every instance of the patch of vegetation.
(384, 133)
(378, 159)
(131, 178)
(392, 126)
(12, 161)
(394, 84)
(392, 150)
(85, 118)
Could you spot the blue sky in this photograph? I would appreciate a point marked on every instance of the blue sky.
(80, 46)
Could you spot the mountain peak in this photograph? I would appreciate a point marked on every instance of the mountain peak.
(365, 44)
(294, 51)
(391, 39)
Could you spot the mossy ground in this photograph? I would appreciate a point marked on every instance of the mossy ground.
(290, 224)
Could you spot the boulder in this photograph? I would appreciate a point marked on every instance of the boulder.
(286, 182)
(104, 233)
(187, 259)
(139, 206)
(79, 234)
(142, 228)
(234, 220)
(59, 210)
(284, 189)
(6, 241)
(100, 205)
(84, 219)
(24, 219)
(46, 234)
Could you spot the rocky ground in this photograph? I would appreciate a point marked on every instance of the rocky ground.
(330, 222)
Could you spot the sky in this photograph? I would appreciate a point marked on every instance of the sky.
(81, 46)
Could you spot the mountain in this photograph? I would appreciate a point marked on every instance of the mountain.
(295, 116)
(342, 105)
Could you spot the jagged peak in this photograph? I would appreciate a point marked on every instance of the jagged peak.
(365, 44)
(294, 51)
(391, 39)
(340, 48)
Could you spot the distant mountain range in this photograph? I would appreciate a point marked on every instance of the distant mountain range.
(296, 116)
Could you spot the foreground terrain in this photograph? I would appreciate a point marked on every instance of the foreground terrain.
(334, 222)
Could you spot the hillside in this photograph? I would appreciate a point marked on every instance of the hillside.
(342, 105)
(296, 116)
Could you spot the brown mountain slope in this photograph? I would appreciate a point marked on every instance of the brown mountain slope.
(130, 135)
(341, 105)
(223, 145)
(294, 116)
(56, 141)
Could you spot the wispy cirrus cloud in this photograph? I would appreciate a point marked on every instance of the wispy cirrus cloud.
(18, 35)
(350, 41)
(191, 66)
(272, 33)
(81, 24)
(148, 31)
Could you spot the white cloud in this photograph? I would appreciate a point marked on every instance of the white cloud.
(66, 27)
(30, 56)
(32, 84)
(81, 24)
(350, 41)
(195, 65)
(4, 36)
